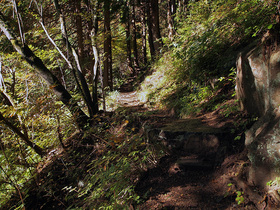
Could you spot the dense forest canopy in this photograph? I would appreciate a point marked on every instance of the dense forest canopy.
(60, 60)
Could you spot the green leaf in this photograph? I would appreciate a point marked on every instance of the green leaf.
(270, 26)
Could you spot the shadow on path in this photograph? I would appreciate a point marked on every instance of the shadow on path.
(183, 179)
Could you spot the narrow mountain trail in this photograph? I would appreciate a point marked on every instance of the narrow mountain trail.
(201, 168)
(128, 99)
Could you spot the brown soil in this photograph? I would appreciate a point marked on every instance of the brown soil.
(196, 184)
(171, 186)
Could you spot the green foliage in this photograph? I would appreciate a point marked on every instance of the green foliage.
(164, 73)
(187, 97)
(120, 66)
(229, 109)
(239, 194)
(210, 34)
(112, 176)
(239, 197)
(111, 100)
(42, 116)
(17, 166)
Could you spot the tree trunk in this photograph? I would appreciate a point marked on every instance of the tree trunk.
(95, 73)
(144, 40)
(52, 81)
(134, 36)
(107, 76)
(150, 31)
(155, 25)
(128, 36)
(79, 31)
(182, 6)
(84, 90)
(170, 18)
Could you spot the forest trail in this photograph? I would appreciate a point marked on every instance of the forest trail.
(199, 168)
(128, 99)
(195, 178)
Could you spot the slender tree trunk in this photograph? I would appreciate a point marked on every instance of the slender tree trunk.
(182, 6)
(128, 36)
(85, 90)
(170, 18)
(155, 25)
(134, 35)
(150, 31)
(79, 30)
(95, 72)
(52, 81)
(144, 31)
(107, 76)
(93, 56)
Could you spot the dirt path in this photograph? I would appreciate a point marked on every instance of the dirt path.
(196, 177)
(171, 186)
(128, 99)
(197, 182)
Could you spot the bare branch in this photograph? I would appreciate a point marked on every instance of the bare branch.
(95, 53)
(85, 89)
(56, 47)
(2, 83)
(20, 23)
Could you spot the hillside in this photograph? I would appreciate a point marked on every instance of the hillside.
(117, 104)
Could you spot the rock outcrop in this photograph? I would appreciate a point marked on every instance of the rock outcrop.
(258, 90)
(258, 80)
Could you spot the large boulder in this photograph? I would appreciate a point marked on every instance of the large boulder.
(258, 80)
(263, 143)
(258, 91)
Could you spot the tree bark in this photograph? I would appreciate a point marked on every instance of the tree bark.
(108, 74)
(170, 18)
(95, 72)
(126, 20)
(155, 25)
(144, 32)
(150, 31)
(79, 30)
(134, 36)
(183, 6)
(52, 81)
(93, 35)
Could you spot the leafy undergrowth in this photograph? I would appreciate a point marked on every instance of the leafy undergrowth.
(93, 171)
(102, 167)
(203, 53)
